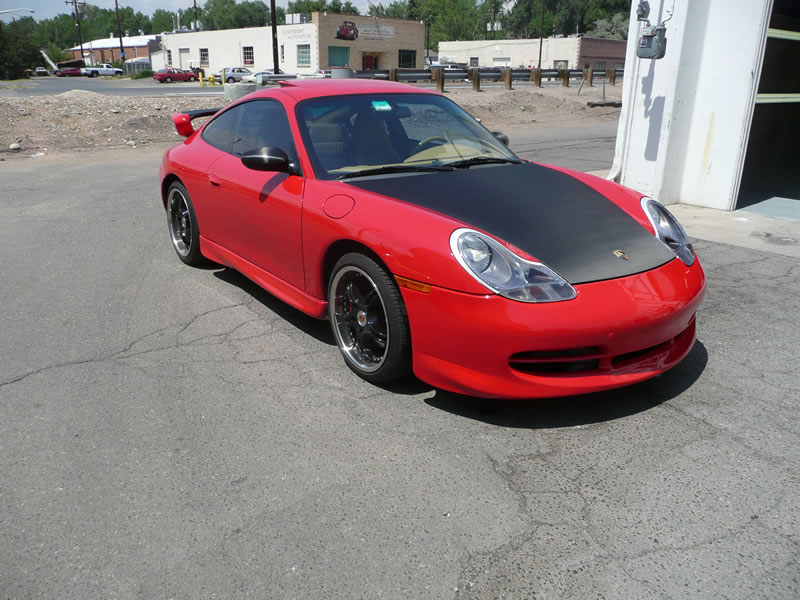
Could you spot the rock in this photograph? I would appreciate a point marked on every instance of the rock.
(114, 110)
(15, 147)
(130, 143)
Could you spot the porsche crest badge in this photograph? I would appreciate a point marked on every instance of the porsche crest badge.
(620, 254)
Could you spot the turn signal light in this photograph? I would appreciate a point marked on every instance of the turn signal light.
(417, 286)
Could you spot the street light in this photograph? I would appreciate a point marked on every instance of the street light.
(12, 10)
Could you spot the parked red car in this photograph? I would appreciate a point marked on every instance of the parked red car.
(347, 31)
(170, 75)
(69, 72)
(428, 245)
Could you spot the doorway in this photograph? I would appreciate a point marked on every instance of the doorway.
(769, 176)
(369, 62)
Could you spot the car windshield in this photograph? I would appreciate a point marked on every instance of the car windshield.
(346, 135)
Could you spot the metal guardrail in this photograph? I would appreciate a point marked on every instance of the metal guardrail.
(440, 75)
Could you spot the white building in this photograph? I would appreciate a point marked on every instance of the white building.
(715, 122)
(557, 53)
(327, 40)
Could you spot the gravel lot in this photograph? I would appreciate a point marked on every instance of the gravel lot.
(81, 120)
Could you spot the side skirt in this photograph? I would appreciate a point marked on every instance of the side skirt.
(293, 296)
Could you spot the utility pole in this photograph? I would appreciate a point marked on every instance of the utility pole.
(428, 39)
(75, 4)
(119, 33)
(274, 14)
(196, 18)
(541, 35)
(494, 18)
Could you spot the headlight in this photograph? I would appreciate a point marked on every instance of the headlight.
(668, 230)
(505, 273)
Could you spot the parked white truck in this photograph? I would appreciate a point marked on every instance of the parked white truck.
(97, 70)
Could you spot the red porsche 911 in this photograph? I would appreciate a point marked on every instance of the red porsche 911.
(429, 245)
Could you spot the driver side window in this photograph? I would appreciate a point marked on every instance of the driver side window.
(263, 123)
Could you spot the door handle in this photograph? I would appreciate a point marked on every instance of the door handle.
(214, 180)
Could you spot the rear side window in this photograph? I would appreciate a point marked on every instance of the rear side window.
(219, 132)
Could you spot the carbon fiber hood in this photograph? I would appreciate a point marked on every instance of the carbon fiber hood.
(561, 221)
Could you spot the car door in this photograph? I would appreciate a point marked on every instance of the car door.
(257, 214)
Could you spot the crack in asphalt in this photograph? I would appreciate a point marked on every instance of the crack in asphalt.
(118, 354)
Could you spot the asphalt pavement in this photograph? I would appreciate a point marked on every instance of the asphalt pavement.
(170, 432)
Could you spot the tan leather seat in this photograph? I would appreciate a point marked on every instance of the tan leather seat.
(371, 142)
(328, 140)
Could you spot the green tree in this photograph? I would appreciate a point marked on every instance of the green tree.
(161, 21)
(395, 10)
(60, 30)
(18, 49)
(614, 28)
(451, 19)
(306, 6)
(561, 17)
(251, 14)
(219, 14)
(133, 22)
(334, 6)
(56, 53)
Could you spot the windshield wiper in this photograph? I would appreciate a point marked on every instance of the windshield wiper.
(482, 160)
(395, 169)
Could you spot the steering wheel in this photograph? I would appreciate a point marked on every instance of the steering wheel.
(430, 140)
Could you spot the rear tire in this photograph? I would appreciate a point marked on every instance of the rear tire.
(191, 79)
(369, 320)
(182, 223)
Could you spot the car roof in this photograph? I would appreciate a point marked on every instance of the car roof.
(302, 89)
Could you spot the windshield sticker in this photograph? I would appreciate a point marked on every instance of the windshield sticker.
(381, 105)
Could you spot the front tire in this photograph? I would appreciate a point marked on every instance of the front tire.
(230, 80)
(182, 223)
(369, 320)
(168, 80)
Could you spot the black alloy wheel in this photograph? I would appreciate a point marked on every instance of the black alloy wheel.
(182, 223)
(369, 319)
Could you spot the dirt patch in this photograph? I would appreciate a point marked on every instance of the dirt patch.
(80, 120)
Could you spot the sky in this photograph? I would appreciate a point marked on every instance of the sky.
(47, 9)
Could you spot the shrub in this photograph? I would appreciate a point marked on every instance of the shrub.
(143, 74)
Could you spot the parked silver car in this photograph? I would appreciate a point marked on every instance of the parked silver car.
(267, 75)
(232, 74)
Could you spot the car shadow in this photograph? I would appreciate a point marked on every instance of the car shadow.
(316, 328)
(586, 409)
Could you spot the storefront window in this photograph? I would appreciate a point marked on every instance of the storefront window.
(407, 59)
(338, 56)
(304, 55)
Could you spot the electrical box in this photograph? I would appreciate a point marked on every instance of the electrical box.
(652, 42)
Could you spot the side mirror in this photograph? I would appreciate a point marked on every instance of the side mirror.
(269, 159)
(501, 136)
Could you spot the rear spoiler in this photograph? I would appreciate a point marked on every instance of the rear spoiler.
(183, 120)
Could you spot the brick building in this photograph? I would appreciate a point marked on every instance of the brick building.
(106, 50)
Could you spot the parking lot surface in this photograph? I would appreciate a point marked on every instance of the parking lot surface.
(170, 432)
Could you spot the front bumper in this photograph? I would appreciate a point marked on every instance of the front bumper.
(614, 333)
